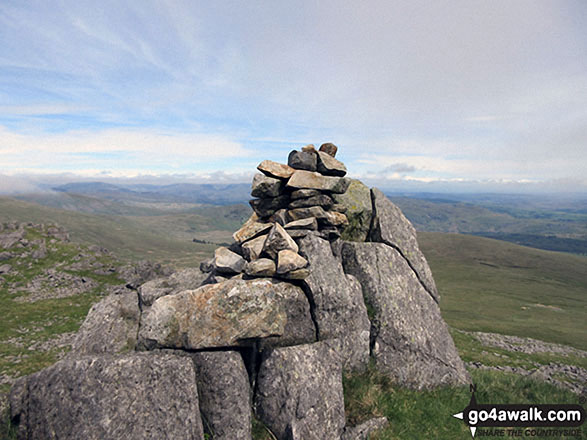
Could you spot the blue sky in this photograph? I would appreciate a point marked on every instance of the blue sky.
(417, 94)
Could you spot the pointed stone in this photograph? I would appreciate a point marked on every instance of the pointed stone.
(265, 187)
(250, 229)
(252, 249)
(263, 267)
(329, 149)
(275, 169)
(288, 260)
(305, 223)
(227, 261)
(277, 240)
(302, 160)
(329, 166)
(310, 180)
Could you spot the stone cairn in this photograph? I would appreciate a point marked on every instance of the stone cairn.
(324, 277)
(292, 201)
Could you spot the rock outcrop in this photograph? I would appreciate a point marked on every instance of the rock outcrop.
(325, 275)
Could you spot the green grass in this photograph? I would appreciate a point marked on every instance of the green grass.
(493, 286)
(428, 414)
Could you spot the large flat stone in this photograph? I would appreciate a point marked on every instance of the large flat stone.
(391, 227)
(275, 169)
(311, 180)
(329, 166)
(250, 229)
(411, 341)
(269, 206)
(133, 396)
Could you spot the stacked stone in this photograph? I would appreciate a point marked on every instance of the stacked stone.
(291, 202)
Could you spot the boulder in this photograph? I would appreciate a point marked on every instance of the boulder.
(227, 314)
(224, 394)
(329, 149)
(264, 186)
(132, 396)
(111, 326)
(269, 206)
(277, 240)
(288, 260)
(263, 267)
(411, 342)
(184, 279)
(275, 169)
(311, 180)
(251, 229)
(299, 392)
(329, 166)
(319, 200)
(302, 160)
(391, 227)
(338, 308)
(227, 262)
(356, 203)
(252, 249)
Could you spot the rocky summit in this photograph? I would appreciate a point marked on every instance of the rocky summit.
(323, 278)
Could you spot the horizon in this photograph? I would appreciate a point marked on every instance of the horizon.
(450, 97)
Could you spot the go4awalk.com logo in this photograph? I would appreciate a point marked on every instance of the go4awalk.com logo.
(547, 420)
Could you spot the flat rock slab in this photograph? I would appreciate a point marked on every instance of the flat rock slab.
(250, 229)
(224, 394)
(329, 166)
(288, 260)
(311, 180)
(299, 392)
(263, 267)
(411, 341)
(264, 186)
(111, 326)
(134, 396)
(391, 227)
(228, 262)
(319, 200)
(184, 279)
(232, 313)
(269, 206)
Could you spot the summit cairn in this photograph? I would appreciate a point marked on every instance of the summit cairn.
(291, 201)
(324, 277)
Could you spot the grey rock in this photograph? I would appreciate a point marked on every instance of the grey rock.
(305, 223)
(252, 249)
(279, 217)
(332, 218)
(269, 206)
(277, 240)
(5, 256)
(184, 279)
(338, 309)
(207, 266)
(215, 278)
(338, 207)
(298, 233)
(231, 313)
(391, 227)
(310, 180)
(224, 393)
(139, 273)
(250, 229)
(304, 193)
(288, 261)
(264, 186)
(299, 392)
(356, 202)
(299, 328)
(263, 267)
(133, 396)
(227, 262)
(111, 326)
(301, 213)
(5, 268)
(329, 149)
(274, 169)
(302, 160)
(319, 200)
(329, 166)
(411, 342)
(299, 274)
(362, 431)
